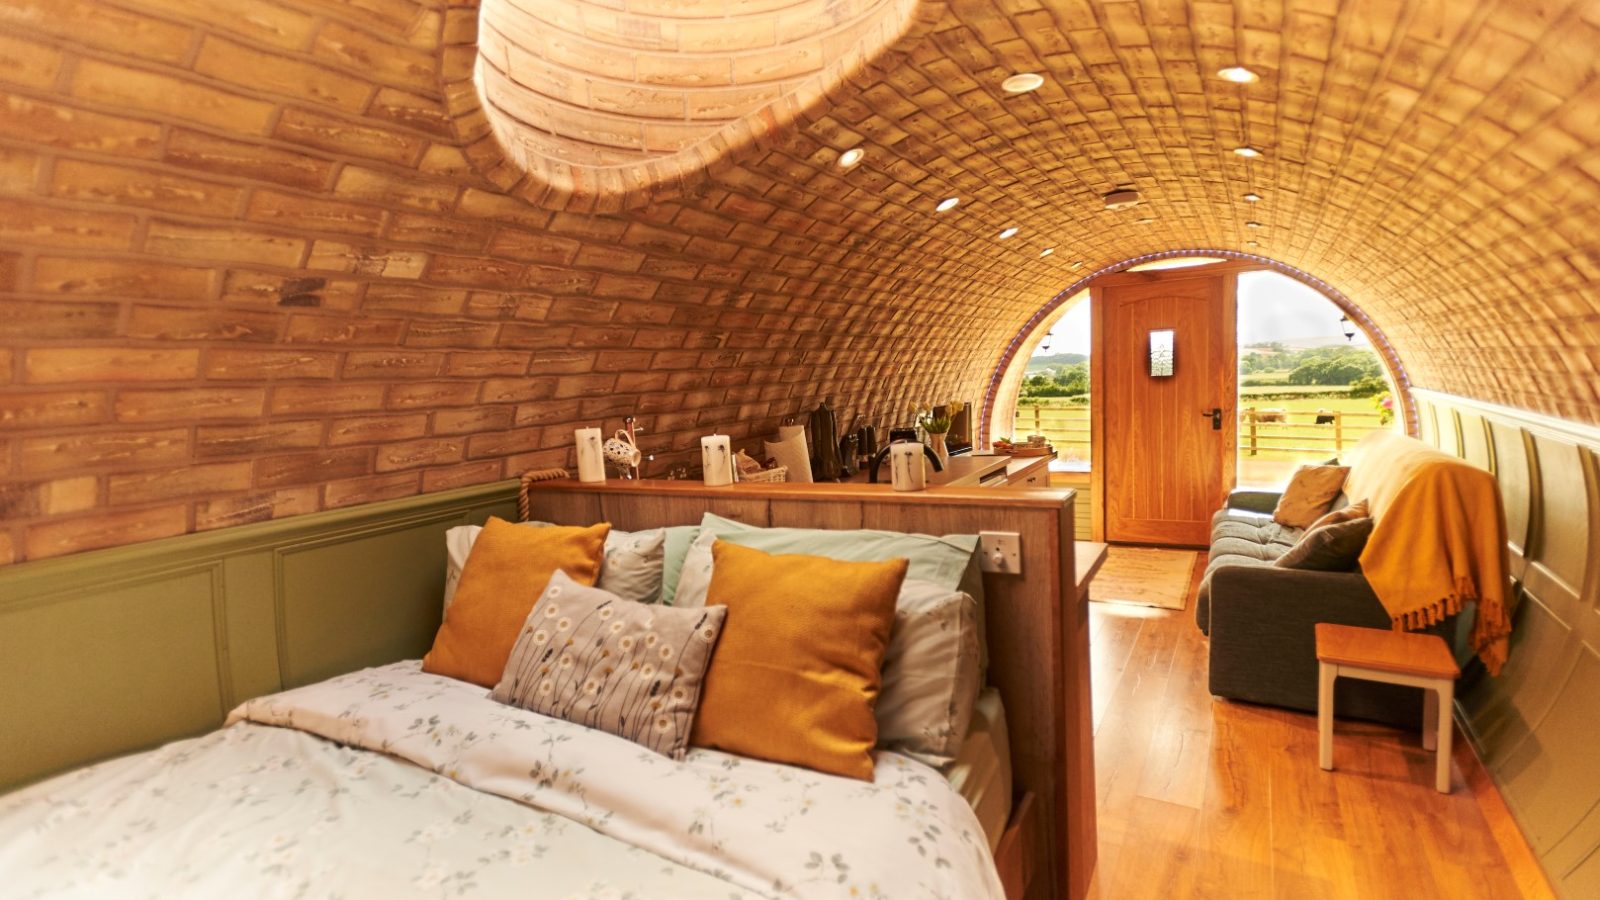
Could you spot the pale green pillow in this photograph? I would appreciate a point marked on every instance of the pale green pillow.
(950, 561)
(679, 537)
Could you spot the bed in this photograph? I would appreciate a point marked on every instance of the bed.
(389, 781)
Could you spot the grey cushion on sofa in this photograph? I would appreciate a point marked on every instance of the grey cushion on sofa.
(1331, 548)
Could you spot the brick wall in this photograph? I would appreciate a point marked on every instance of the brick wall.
(256, 258)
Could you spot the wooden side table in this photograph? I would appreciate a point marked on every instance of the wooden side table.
(1394, 657)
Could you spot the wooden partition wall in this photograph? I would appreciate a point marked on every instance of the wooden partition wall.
(1037, 628)
(1534, 725)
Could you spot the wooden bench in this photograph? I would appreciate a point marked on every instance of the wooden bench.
(1395, 657)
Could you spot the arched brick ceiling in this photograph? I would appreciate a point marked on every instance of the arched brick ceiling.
(635, 101)
(259, 259)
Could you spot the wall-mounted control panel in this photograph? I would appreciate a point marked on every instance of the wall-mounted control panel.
(1000, 551)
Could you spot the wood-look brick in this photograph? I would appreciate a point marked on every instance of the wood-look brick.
(35, 223)
(269, 365)
(151, 189)
(323, 399)
(183, 323)
(307, 214)
(66, 365)
(218, 441)
(171, 484)
(192, 404)
(45, 409)
(370, 489)
(351, 138)
(315, 467)
(64, 126)
(415, 454)
(121, 278)
(247, 67)
(242, 509)
(464, 475)
(103, 529)
(120, 448)
(127, 87)
(226, 244)
(190, 149)
(377, 429)
(57, 319)
(59, 496)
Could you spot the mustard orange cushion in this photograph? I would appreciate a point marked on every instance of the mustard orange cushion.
(506, 572)
(798, 668)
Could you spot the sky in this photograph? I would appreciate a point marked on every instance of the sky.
(1272, 307)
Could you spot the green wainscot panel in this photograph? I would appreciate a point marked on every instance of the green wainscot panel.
(92, 674)
(349, 603)
(119, 650)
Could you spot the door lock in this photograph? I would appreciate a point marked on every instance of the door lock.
(1216, 417)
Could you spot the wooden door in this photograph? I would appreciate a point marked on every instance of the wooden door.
(1168, 466)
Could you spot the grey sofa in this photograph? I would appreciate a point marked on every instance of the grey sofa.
(1261, 619)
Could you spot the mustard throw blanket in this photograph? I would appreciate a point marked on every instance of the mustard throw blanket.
(1438, 540)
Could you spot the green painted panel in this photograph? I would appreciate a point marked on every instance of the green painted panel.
(252, 632)
(118, 650)
(1562, 751)
(348, 604)
(96, 673)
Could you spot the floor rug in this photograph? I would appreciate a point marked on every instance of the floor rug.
(1144, 576)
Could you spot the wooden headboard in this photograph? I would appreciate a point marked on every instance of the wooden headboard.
(1037, 629)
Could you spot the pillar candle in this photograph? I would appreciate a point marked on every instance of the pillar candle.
(591, 457)
(716, 458)
(908, 470)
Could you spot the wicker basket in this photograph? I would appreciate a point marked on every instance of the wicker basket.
(775, 475)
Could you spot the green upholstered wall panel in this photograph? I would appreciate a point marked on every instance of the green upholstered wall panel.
(119, 650)
(1534, 725)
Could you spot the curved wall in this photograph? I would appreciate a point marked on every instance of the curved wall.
(261, 260)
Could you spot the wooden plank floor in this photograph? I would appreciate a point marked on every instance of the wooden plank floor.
(1203, 798)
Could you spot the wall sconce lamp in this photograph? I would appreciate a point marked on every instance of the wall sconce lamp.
(1163, 355)
(1348, 327)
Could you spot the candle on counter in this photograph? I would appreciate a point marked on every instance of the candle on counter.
(908, 470)
(716, 459)
(591, 456)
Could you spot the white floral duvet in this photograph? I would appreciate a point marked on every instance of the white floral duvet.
(305, 810)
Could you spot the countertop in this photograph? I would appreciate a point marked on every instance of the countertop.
(964, 470)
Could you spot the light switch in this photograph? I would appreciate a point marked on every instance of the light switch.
(1000, 551)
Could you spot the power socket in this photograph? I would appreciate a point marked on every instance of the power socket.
(1000, 551)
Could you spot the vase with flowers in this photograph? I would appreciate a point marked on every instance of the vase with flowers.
(936, 425)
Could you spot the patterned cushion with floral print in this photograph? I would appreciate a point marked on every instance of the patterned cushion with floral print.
(631, 669)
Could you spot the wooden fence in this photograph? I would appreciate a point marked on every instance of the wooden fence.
(1270, 433)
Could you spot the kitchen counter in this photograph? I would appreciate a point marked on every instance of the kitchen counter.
(979, 470)
(965, 470)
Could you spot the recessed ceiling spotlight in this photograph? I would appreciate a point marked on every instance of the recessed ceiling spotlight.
(1046, 252)
(1252, 243)
(1144, 221)
(1022, 82)
(1122, 198)
(1237, 75)
(1076, 265)
(1252, 224)
(1008, 232)
(947, 203)
(1252, 197)
(851, 157)
(1246, 152)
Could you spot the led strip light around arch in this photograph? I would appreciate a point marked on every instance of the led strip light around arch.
(1386, 351)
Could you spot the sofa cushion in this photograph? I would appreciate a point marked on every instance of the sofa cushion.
(1331, 548)
(1246, 548)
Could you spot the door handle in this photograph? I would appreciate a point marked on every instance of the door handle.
(1216, 417)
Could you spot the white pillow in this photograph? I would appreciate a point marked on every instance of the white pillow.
(932, 670)
(931, 673)
(631, 569)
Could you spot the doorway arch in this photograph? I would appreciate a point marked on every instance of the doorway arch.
(998, 412)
